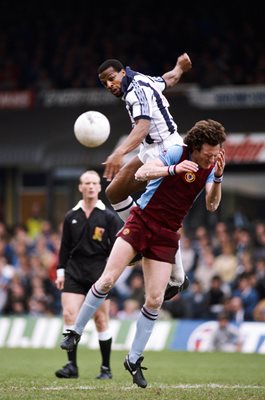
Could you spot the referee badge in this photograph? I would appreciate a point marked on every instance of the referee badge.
(98, 233)
(190, 177)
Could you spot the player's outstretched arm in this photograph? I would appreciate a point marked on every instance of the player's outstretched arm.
(156, 169)
(183, 65)
(114, 161)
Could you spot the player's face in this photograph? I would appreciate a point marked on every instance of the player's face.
(207, 156)
(111, 80)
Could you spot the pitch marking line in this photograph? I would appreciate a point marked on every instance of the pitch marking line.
(197, 386)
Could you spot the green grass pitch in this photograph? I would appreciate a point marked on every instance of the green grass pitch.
(29, 374)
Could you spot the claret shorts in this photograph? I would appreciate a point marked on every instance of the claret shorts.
(149, 238)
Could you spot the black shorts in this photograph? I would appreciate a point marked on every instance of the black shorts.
(73, 286)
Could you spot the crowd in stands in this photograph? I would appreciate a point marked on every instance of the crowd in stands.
(44, 45)
(226, 269)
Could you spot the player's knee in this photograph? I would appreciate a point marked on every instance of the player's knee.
(106, 284)
(154, 302)
(69, 316)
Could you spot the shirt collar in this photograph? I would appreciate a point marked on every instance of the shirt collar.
(100, 205)
(127, 79)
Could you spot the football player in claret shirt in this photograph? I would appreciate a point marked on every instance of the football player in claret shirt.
(176, 178)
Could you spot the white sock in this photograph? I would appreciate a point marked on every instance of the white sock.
(177, 274)
(144, 327)
(92, 302)
(106, 335)
(66, 327)
(123, 208)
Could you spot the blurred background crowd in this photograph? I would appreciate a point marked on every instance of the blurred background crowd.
(45, 45)
(226, 268)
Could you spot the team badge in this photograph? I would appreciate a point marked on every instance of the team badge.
(190, 177)
(126, 231)
(98, 233)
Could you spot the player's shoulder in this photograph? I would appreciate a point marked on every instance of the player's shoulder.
(70, 213)
(150, 80)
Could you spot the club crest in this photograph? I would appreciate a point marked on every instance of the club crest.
(190, 177)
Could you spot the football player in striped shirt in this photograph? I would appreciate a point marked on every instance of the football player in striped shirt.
(153, 131)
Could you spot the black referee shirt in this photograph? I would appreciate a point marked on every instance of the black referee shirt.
(86, 242)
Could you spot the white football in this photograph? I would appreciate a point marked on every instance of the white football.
(92, 128)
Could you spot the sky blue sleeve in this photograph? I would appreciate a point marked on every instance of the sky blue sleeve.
(210, 177)
(172, 155)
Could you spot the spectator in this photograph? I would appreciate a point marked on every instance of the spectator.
(178, 307)
(259, 311)
(248, 294)
(17, 298)
(226, 336)
(6, 273)
(196, 299)
(234, 306)
(215, 297)
(130, 310)
(225, 265)
(35, 220)
(205, 270)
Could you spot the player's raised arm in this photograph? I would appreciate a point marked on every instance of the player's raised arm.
(213, 190)
(183, 65)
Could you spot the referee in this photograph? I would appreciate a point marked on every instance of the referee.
(89, 231)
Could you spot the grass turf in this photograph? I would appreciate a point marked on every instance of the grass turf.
(29, 374)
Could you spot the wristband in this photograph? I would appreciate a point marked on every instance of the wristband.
(172, 170)
(60, 273)
(218, 179)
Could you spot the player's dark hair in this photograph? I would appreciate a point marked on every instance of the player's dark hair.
(112, 62)
(205, 131)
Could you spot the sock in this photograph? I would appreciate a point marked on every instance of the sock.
(144, 327)
(177, 274)
(105, 342)
(123, 208)
(71, 354)
(92, 301)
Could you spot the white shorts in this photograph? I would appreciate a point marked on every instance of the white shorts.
(151, 151)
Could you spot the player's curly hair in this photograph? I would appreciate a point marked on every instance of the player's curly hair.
(112, 62)
(205, 131)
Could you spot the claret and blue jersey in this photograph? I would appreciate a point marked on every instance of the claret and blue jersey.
(167, 200)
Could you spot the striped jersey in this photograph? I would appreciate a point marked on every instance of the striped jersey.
(144, 100)
(167, 200)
